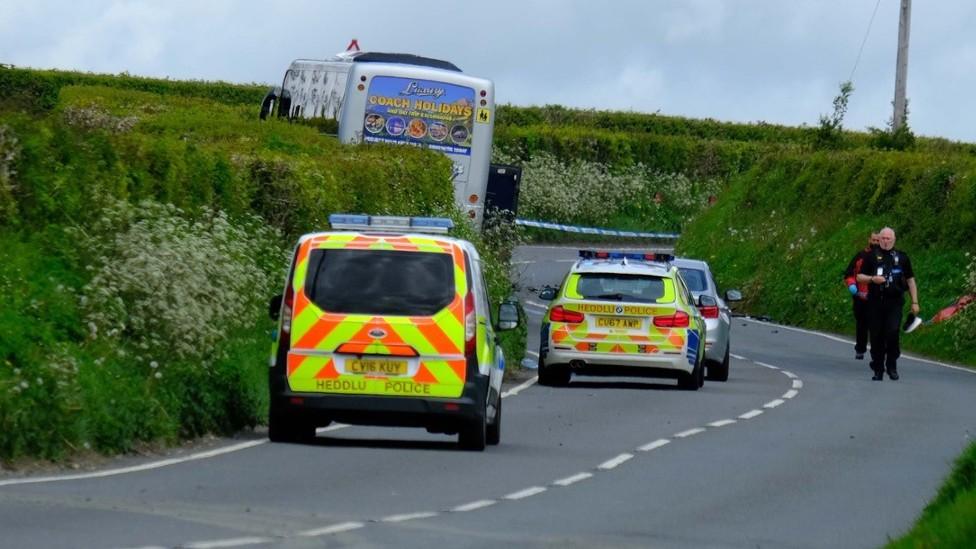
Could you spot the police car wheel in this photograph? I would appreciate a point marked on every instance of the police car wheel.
(719, 371)
(553, 376)
(692, 381)
(493, 433)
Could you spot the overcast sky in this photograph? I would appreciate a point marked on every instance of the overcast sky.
(778, 61)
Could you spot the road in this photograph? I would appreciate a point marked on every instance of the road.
(798, 449)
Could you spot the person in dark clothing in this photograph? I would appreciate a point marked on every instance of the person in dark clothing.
(859, 296)
(889, 272)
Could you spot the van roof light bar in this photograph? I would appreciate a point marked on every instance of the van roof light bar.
(359, 222)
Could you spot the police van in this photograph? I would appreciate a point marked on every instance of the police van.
(387, 321)
(622, 314)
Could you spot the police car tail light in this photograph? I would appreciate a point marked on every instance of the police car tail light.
(470, 324)
(559, 314)
(679, 319)
(709, 312)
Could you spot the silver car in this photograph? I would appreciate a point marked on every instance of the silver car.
(718, 316)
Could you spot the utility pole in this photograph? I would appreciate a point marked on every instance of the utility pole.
(901, 70)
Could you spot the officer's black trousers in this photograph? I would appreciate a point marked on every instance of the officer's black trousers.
(885, 318)
(863, 322)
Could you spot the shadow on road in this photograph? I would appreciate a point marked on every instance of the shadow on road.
(392, 444)
(632, 385)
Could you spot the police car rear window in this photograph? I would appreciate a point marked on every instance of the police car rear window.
(619, 287)
(380, 282)
(694, 278)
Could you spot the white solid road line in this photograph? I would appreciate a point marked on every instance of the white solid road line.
(516, 390)
(721, 423)
(237, 542)
(474, 505)
(528, 492)
(654, 445)
(842, 340)
(773, 404)
(136, 468)
(409, 516)
(532, 353)
(752, 414)
(764, 365)
(202, 455)
(573, 479)
(613, 463)
(790, 394)
(689, 432)
(328, 530)
(789, 374)
(737, 357)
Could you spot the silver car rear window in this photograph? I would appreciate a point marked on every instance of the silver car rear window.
(694, 278)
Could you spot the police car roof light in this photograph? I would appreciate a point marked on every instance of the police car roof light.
(359, 222)
(638, 256)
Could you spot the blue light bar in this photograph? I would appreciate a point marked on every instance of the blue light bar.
(349, 219)
(359, 222)
(633, 256)
(442, 222)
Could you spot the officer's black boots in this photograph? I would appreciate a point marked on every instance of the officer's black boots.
(893, 374)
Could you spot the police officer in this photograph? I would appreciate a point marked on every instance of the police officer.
(859, 296)
(889, 272)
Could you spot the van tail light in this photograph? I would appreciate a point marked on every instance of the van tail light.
(679, 319)
(709, 312)
(559, 314)
(288, 303)
(470, 325)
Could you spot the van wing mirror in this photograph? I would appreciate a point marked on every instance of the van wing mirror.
(274, 307)
(548, 293)
(508, 316)
(733, 295)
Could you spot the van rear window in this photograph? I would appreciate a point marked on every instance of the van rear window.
(380, 282)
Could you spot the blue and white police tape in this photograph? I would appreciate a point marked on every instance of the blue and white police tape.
(591, 230)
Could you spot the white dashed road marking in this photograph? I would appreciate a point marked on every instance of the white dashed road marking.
(790, 394)
(752, 414)
(770, 366)
(797, 384)
(474, 505)
(689, 432)
(528, 492)
(773, 404)
(654, 445)
(612, 463)
(573, 479)
(329, 530)
(237, 542)
(721, 423)
(409, 516)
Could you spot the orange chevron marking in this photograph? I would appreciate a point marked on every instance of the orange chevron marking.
(617, 349)
(328, 371)
(424, 375)
(295, 362)
(436, 337)
(319, 331)
(460, 368)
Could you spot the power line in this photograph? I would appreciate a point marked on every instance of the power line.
(865, 41)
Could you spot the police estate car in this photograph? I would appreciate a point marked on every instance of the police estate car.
(623, 314)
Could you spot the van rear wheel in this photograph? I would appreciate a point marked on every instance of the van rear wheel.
(494, 431)
(282, 428)
(474, 435)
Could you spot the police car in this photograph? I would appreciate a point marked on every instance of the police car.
(623, 314)
(387, 321)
